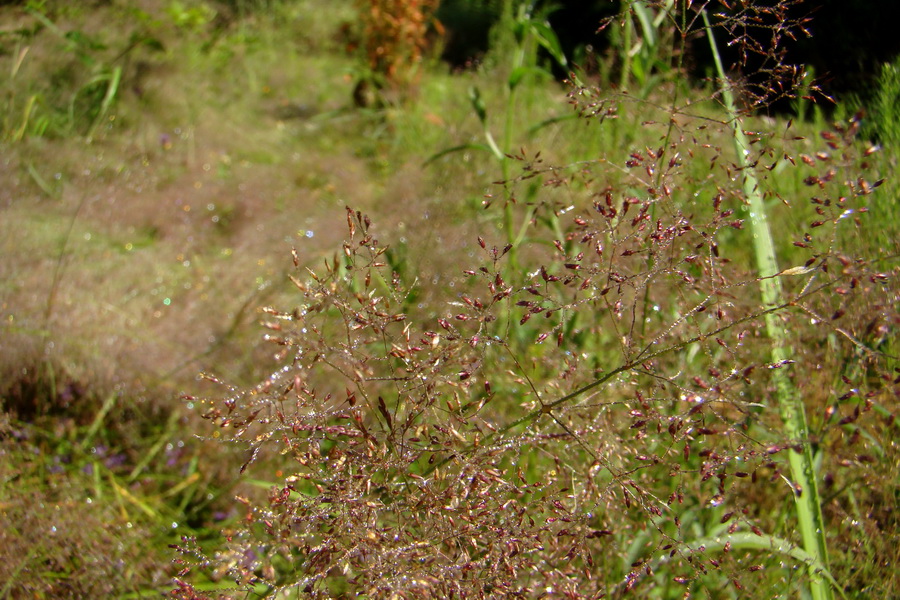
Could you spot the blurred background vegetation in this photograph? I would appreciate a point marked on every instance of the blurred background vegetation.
(161, 158)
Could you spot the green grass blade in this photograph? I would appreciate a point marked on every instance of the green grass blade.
(40, 181)
(19, 134)
(766, 543)
(806, 496)
(646, 18)
(460, 148)
(164, 437)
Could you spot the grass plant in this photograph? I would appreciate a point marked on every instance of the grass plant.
(791, 404)
(436, 427)
(588, 403)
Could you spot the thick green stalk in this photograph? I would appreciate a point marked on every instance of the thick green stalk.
(806, 493)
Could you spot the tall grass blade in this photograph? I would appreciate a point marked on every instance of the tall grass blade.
(19, 134)
(98, 420)
(806, 496)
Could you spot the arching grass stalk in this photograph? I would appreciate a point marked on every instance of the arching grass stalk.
(806, 493)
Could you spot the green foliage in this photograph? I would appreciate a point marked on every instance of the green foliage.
(191, 17)
(84, 86)
(521, 34)
(86, 510)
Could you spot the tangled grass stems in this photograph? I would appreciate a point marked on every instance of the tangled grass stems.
(442, 448)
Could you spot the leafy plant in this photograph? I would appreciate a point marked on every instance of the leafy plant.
(528, 32)
(588, 410)
(191, 17)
